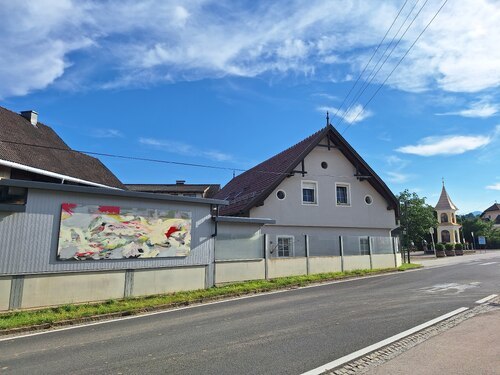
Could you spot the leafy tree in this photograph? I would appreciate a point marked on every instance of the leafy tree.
(416, 218)
(480, 228)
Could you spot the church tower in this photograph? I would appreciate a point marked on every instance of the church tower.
(447, 230)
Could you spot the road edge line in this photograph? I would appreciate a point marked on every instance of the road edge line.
(486, 299)
(359, 353)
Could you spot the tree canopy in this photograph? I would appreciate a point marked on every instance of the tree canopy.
(416, 218)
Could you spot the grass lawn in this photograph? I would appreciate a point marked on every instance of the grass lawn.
(52, 315)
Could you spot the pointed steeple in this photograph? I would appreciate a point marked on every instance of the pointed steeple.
(444, 203)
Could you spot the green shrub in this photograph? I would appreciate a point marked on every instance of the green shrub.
(449, 246)
(459, 246)
(439, 247)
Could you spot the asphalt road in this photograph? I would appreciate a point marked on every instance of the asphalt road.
(282, 333)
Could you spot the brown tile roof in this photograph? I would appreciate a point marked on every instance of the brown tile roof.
(17, 135)
(252, 187)
(208, 190)
(444, 203)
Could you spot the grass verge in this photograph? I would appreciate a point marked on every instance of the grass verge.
(130, 306)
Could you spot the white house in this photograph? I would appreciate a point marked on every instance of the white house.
(322, 188)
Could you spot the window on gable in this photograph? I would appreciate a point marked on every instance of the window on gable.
(285, 246)
(343, 195)
(309, 192)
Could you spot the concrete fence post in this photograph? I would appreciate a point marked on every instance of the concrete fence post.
(306, 244)
(393, 242)
(16, 292)
(370, 251)
(341, 245)
(266, 258)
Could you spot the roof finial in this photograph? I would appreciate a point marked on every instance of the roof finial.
(327, 118)
(442, 178)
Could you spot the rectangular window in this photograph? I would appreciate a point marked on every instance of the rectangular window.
(309, 192)
(285, 246)
(342, 194)
(364, 246)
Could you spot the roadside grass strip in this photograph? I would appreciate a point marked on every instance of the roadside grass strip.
(79, 313)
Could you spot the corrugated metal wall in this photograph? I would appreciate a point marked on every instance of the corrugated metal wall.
(28, 241)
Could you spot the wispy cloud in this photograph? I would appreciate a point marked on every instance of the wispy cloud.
(483, 109)
(106, 133)
(447, 145)
(398, 177)
(495, 186)
(353, 115)
(185, 149)
(155, 38)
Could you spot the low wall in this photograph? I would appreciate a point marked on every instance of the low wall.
(59, 289)
(239, 271)
(5, 283)
(287, 267)
(356, 262)
(167, 280)
(383, 261)
(324, 264)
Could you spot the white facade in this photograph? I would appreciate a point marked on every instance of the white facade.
(342, 204)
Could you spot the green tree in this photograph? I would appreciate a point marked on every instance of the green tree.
(479, 227)
(416, 217)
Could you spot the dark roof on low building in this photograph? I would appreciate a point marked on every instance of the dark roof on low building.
(18, 137)
(252, 187)
(495, 207)
(207, 190)
(444, 203)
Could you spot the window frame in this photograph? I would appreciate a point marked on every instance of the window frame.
(316, 198)
(349, 198)
(291, 250)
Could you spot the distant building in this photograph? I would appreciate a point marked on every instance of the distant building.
(448, 228)
(492, 214)
(179, 188)
(30, 150)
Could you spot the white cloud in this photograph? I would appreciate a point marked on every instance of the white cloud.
(495, 186)
(106, 133)
(153, 39)
(447, 145)
(398, 177)
(351, 116)
(483, 108)
(185, 149)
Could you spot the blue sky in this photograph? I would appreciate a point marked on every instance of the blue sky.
(230, 84)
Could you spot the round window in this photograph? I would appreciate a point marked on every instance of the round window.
(280, 194)
(324, 164)
(368, 199)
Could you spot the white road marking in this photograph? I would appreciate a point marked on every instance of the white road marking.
(451, 287)
(486, 299)
(487, 264)
(112, 320)
(380, 344)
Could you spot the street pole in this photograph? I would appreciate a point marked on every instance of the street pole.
(431, 231)
(473, 240)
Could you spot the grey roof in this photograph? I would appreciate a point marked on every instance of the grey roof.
(208, 190)
(107, 191)
(444, 203)
(40, 147)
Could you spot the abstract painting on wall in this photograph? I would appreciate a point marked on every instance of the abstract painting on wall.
(111, 232)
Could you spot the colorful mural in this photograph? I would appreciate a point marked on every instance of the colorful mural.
(110, 232)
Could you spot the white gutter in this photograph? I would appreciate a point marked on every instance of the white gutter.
(43, 172)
